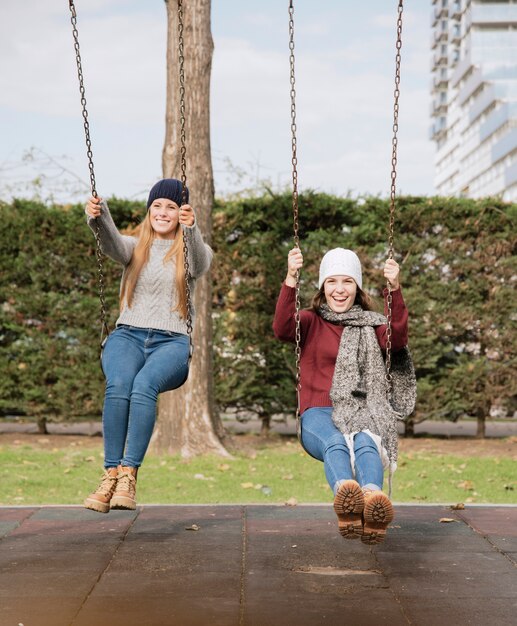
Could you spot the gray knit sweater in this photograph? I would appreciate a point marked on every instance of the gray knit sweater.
(155, 294)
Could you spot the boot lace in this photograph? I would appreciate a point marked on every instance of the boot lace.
(126, 482)
(107, 485)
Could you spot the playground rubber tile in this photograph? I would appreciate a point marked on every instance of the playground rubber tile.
(16, 514)
(446, 610)
(80, 514)
(253, 566)
(38, 585)
(508, 545)
(306, 561)
(168, 610)
(50, 561)
(45, 612)
(366, 609)
(497, 521)
(469, 574)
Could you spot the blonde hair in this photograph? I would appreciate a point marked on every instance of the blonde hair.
(140, 257)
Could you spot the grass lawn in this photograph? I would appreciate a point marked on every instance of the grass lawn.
(43, 474)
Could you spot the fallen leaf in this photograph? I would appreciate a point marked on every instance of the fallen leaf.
(89, 459)
(447, 520)
(465, 484)
(291, 502)
(288, 477)
(193, 527)
(247, 485)
(458, 507)
(224, 467)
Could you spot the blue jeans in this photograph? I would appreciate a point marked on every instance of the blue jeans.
(324, 441)
(138, 363)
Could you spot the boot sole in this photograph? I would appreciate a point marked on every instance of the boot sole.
(348, 506)
(95, 505)
(121, 502)
(378, 513)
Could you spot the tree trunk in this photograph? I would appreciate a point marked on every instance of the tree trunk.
(481, 425)
(187, 423)
(409, 427)
(266, 424)
(42, 425)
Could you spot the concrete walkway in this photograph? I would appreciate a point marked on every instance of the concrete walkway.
(443, 428)
(255, 566)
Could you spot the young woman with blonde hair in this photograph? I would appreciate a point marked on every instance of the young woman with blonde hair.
(148, 352)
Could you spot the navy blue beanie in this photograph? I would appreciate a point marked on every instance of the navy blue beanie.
(169, 188)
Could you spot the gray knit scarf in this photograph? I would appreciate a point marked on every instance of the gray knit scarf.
(359, 388)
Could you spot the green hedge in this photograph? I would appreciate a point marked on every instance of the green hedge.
(458, 274)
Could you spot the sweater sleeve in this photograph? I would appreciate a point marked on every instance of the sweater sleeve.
(118, 247)
(399, 322)
(284, 322)
(200, 254)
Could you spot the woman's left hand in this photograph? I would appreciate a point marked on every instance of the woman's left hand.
(187, 216)
(392, 273)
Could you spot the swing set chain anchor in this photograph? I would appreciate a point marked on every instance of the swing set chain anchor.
(89, 153)
(183, 162)
(393, 191)
(296, 237)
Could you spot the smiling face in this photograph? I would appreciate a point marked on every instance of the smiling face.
(340, 292)
(164, 217)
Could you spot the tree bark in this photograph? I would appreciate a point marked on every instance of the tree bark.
(481, 424)
(409, 427)
(187, 423)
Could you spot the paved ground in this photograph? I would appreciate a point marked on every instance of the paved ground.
(463, 428)
(255, 566)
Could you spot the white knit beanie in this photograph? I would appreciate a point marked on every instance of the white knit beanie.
(341, 262)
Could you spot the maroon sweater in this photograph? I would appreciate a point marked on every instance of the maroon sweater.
(320, 343)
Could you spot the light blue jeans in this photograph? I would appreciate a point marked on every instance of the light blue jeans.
(138, 363)
(325, 442)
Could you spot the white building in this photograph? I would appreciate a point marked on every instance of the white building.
(474, 97)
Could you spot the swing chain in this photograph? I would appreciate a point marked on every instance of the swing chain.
(89, 154)
(183, 153)
(394, 144)
(294, 162)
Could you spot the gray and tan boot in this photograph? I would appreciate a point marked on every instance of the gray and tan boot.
(348, 505)
(100, 499)
(125, 492)
(377, 515)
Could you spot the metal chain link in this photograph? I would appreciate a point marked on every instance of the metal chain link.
(394, 145)
(296, 238)
(89, 154)
(183, 153)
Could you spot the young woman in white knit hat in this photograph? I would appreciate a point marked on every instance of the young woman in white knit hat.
(148, 352)
(347, 420)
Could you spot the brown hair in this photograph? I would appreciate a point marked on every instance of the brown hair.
(365, 301)
(140, 257)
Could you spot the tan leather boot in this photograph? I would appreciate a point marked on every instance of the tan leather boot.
(100, 499)
(377, 515)
(125, 491)
(348, 505)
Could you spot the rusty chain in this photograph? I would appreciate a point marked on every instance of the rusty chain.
(89, 154)
(183, 155)
(296, 238)
(394, 145)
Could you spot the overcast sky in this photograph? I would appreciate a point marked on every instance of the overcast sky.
(345, 54)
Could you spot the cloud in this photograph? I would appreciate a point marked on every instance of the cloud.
(344, 84)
